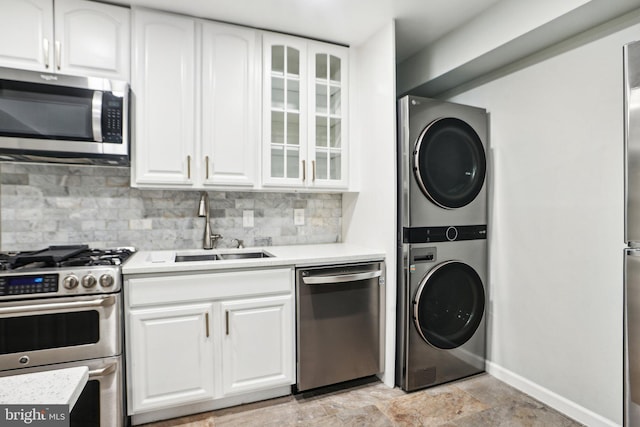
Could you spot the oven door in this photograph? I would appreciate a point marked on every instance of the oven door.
(101, 403)
(55, 330)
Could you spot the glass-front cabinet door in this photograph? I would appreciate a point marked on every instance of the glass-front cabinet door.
(328, 104)
(284, 117)
(304, 113)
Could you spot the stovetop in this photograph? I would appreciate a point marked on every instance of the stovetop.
(55, 257)
(58, 271)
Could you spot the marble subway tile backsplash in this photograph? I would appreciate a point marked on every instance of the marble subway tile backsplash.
(49, 204)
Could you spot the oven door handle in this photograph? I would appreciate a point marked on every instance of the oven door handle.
(57, 306)
(96, 373)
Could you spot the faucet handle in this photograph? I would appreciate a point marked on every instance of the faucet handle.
(239, 243)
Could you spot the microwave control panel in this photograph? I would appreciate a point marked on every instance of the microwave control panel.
(112, 107)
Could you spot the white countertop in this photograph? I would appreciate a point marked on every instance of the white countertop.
(56, 387)
(297, 255)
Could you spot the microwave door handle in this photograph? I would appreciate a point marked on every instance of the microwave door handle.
(96, 115)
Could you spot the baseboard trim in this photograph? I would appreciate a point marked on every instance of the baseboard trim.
(548, 397)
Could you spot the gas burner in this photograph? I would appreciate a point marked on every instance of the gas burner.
(64, 256)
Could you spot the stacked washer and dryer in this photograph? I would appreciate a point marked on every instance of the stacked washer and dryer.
(442, 242)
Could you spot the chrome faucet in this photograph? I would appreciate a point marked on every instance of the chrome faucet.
(210, 239)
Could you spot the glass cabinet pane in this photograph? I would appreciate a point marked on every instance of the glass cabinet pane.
(293, 61)
(277, 162)
(321, 131)
(335, 165)
(335, 68)
(321, 165)
(321, 99)
(277, 59)
(335, 100)
(293, 94)
(293, 129)
(277, 127)
(321, 66)
(277, 92)
(336, 133)
(293, 163)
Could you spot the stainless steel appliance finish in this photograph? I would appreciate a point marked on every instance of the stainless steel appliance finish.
(442, 241)
(441, 306)
(64, 119)
(101, 402)
(631, 56)
(340, 313)
(441, 163)
(62, 307)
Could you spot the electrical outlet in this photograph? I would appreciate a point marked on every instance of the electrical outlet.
(298, 216)
(247, 218)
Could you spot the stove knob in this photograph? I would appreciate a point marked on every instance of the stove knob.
(106, 280)
(70, 282)
(89, 281)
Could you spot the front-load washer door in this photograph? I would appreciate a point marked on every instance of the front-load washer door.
(449, 305)
(449, 163)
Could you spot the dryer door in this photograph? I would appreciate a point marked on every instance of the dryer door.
(449, 305)
(449, 163)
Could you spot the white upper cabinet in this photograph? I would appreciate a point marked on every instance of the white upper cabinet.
(197, 103)
(67, 36)
(92, 39)
(305, 97)
(230, 105)
(26, 34)
(163, 86)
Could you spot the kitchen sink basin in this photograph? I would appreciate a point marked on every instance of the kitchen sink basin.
(246, 255)
(198, 257)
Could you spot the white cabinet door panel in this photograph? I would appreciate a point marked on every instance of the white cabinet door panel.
(257, 344)
(164, 93)
(26, 34)
(230, 104)
(172, 356)
(93, 39)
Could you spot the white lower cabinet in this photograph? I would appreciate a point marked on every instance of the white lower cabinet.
(172, 355)
(211, 337)
(257, 351)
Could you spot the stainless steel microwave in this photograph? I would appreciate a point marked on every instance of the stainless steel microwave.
(64, 119)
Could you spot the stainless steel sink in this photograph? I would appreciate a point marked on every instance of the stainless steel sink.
(198, 257)
(246, 255)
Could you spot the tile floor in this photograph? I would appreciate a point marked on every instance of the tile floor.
(474, 402)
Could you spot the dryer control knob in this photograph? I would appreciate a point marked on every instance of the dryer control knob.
(452, 234)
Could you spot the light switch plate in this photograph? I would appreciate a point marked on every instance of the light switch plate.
(247, 218)
(298, 216)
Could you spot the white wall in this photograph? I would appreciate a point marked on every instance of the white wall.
(556, 228)
(369, 216)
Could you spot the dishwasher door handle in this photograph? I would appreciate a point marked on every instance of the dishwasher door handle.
(340, 278)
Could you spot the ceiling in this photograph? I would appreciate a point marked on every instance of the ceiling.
(350, 22)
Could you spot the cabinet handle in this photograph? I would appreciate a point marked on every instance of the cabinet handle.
(206, 161)
(45, 51)
(206, 323)
(313, 170)
(58, 54)
(304, 170)
(188, 167)
(226, 314)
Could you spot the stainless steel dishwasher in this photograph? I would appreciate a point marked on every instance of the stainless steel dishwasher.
(340, 319)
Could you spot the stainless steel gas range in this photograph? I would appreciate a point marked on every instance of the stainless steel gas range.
(62, 307)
